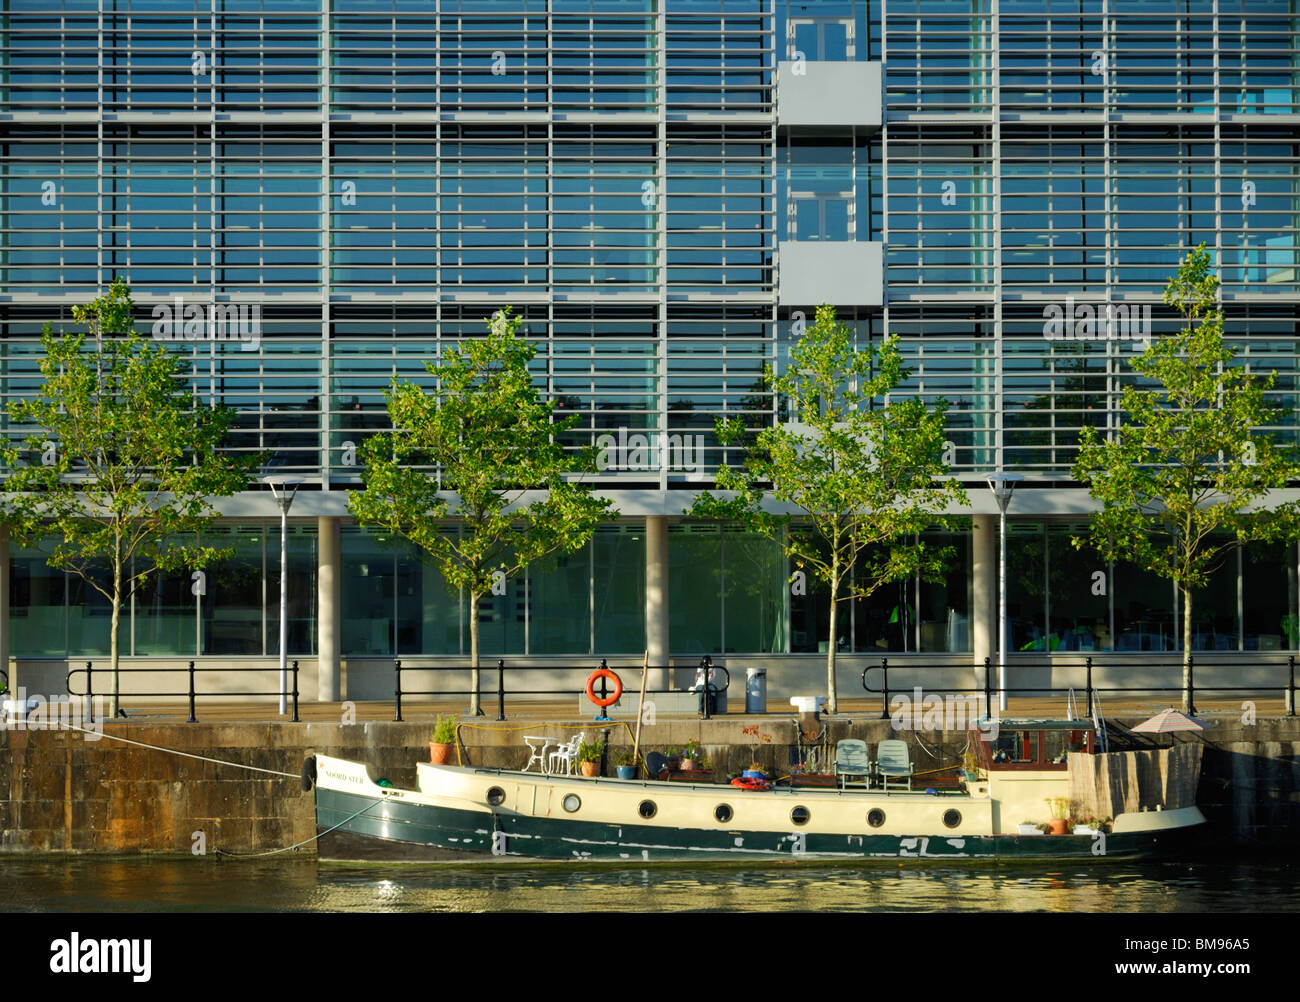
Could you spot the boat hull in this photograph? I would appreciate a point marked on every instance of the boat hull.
(353, 826)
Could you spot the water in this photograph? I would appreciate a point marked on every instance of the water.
(210, 885)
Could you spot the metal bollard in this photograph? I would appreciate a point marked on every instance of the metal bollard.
(1088, 711)
(295, 692)
(884, 688)
(988, 686)
(193, 719)
(397, 668)
(90, 690)
(1290, 692)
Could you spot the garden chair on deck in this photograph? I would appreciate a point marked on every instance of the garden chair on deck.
(851, 759)
(894, 762)
(566, 753)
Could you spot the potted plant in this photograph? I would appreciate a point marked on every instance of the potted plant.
(626, 765)
(1060, 808)
(1090, 825)
(689, 755)
(756, 769)
(444, 736)
(1029, 828)
(589, 753)
(970, 766)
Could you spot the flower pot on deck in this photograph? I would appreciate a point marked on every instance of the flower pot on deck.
(439, 753)
(589, 769)
(627, 772)
(1059, 826)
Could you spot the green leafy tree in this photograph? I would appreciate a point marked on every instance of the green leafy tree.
(486, 427)
(865, 478)
(1180, 479)
(122, 461)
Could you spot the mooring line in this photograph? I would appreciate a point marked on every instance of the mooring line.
(173, 751)
(272, 852)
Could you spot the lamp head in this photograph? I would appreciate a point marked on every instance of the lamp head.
(1003, 485)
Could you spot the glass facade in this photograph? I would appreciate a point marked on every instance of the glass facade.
(369, 180)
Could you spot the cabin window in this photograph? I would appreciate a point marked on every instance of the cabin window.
(951, 819)
(647, 809)
(875, 817)
(496, 796)
(800, 815)
(723, 813)
(572, 802)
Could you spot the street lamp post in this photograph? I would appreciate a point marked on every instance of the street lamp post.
(287, 488)
(1003, 485)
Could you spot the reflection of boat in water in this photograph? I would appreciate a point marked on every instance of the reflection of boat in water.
(459, 811)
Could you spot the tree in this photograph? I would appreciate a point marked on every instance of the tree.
(486, 428)
(866, 477)
(1180, 474)
(122, 462)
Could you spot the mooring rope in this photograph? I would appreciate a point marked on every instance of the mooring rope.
(272, 852)
(173, 751)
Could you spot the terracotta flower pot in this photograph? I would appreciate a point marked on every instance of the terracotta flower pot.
(1058, 826)
(439, 753)
(589, 768)
(688, 764)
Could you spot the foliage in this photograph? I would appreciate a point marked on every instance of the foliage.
(122, 463)
(485, 426)
(692, 750)
(864, 477)
(590, 751)
(1181, 478)
(626, 757)
(444, 731)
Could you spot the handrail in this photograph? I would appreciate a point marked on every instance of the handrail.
(399, 692)
(191, 691)
(1091, 690)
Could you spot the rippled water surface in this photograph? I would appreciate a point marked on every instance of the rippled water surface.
(304, 885)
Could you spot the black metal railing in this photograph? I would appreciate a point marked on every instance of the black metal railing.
(1287, 687)
(191, 691)
(600, 687)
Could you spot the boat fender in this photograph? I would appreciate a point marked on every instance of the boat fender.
(308, 772)
(751, 783)
(591, 687)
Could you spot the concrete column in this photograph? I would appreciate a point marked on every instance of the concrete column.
(656, 597)
(329, 609)
(984, 591)
(4, 603)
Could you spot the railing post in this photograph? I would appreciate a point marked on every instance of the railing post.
(90, 690)
(397, 670)
(705, 664)
(501, 689)
(1088, 710)
(988, 687)
(1191, 687)
(884, 688)
(295, 692)
(1291, 686)
(193, 719)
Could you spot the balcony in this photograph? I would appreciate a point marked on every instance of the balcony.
(826, 94)
(839, 272)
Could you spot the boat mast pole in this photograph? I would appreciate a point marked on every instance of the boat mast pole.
(636, 741)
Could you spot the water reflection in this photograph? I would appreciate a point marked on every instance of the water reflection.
(211, 885)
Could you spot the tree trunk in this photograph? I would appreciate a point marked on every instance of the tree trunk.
(1187, 649)
(114, 651)
(832, 642)
(474, 709)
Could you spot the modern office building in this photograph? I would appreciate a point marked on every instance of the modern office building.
(664, 190)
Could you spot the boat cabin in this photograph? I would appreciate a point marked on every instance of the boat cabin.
(1032, 745)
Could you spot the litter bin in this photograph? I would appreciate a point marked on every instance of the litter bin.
(756, 690)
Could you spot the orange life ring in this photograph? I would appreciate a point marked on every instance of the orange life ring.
(591, 687)
(750, 783)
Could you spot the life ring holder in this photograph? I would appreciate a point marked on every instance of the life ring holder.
(603, 672)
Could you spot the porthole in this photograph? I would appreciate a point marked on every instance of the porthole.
(875, 817)
(572, 802)
(800, 815)
(723, 813)
(647, 809)
(951, 819)
(496, 796)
